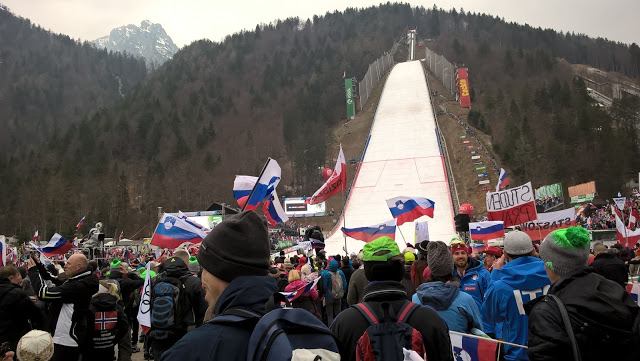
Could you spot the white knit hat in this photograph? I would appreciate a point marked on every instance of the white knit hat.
(36, 345)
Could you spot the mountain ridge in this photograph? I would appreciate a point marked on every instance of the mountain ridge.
(149, 41)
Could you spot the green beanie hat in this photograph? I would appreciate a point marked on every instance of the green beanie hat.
(380, 244)
(115, 263)
(566, 250)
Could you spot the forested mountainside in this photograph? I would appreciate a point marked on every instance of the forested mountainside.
(48, 81)
(543, 125)
(220, 109)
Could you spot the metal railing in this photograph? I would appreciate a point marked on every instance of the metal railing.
(442, 69)
(376, 71)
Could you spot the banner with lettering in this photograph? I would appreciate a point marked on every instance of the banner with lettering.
(549, 222)
(463, 88)
(513, 206)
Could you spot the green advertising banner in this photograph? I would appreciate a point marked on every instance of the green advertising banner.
(351, 106)
(481, 168)
(463, 136)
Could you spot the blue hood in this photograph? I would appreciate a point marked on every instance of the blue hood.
(333, 265)
(525, 273)
(438, 295)
(250, 292)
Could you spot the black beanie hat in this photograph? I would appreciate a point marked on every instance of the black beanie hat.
(238, 246)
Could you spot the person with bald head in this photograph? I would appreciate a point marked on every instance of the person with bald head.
(69, 303)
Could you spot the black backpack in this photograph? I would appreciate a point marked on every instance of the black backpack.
(169, 306)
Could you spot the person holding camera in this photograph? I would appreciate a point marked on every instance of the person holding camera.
(69, 301)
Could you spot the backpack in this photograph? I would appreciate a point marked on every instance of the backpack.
(384, 340)
(284, 333)
(337, 291)
(169, 306)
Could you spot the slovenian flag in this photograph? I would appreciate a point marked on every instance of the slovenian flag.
(484, 231)
(474, 348)
(242, 186)
(80, 223)
(172, 231)
(267, 182)
(291, 296)
(407, 209)
(57, 245)
(368, 234)
(503, 180)
(272, 209)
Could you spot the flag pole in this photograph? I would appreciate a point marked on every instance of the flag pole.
(400, 229)
(344, 218)
(255, 185)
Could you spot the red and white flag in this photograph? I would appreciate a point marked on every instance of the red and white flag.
(626, 237)
(335, 184)
(633, 219)
(144, 311)
(35, 237)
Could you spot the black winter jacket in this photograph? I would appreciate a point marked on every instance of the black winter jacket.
(610, 267)
(128, 284)
(602, 315)
(104, 333)
(350, 324)
(176, 268)
(216, 341)
(18, 314)
(75, 291)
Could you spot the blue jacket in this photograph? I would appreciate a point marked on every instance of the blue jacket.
(476, 282)
(326, 279)
(447, 300)
(220, 341)
(518, 282)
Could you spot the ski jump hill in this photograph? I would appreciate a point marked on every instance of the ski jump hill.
(402, 157)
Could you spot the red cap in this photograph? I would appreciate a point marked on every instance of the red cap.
(303, 260)
(495, 251)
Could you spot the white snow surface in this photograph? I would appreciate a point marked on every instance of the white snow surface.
(401, 159)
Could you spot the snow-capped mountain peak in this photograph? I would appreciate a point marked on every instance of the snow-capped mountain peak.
(149, 41)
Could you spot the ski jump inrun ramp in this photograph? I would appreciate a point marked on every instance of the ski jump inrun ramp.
(402, 158)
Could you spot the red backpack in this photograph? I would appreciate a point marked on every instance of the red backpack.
(384, 339)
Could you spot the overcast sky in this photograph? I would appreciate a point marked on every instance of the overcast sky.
(189, 20)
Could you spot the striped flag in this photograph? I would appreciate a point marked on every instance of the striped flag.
(294, 295)
(80, 223)
(475, 348)
(57, 245)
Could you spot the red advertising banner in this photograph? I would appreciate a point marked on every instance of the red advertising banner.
(513, 206)
(549, 222)
(463, 88)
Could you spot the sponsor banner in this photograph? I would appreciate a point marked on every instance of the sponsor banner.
(549, 197)
(463, 136)
(477, 163)
(351, 106)
(463, 88)
(513, 206)
(297, 207)
(466, 141)
(483, 175)
(584, 192)
(549, 222)
(473, 152)
(486, 189)
(481, 168)
(468, 147)
(486, 181)
(475, 157)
